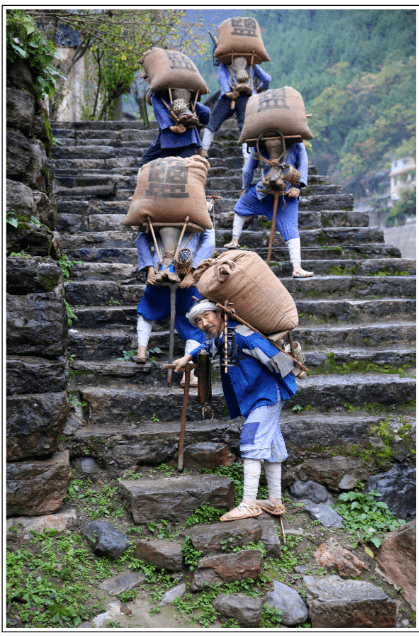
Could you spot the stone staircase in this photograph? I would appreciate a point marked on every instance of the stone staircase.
(358, 310)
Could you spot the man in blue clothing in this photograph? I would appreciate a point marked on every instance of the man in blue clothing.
(155, 302)
(254, 201)
(256, 388)
(229, 94)
(174, 140)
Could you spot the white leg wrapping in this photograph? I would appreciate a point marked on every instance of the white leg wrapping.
(294, 248)
(144, 328)
(238, 223)
(273, 476)
(207, 139)
(190, 345)
(251, 468)
(138, 173)
(245, 152)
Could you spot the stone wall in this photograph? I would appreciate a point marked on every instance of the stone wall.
(38, 470)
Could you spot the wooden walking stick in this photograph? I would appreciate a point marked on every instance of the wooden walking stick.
(271, 237)
(188, 368)
(282, 526)
(173, 290)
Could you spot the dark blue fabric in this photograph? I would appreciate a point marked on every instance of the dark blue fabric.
(223, 111)
(250, 384)
(155, 305)
(169, 139)
(157, 152)
(248, 433)
(286, 221)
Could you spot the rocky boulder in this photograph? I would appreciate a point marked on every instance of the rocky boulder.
(174, 592)
(327, 472)
(18, 154)
(325, 514)
(397, 488)
(270, 537)
(335, 603)
(37, 487)
(29, 238)
(35, 424)
(160, 553)
(32, 374)
(20, 109)
(247, 611)
(207, 455)
(213, 537)
(310, 492)
(289, 603)
(175, 499)
(32, 275)
(397, 559)
(224, 568)
(19, 199)
(105, 539)
(22, 527)
(330, 554)
(122, 582)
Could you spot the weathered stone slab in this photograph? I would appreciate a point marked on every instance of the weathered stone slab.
(31, 374)
(330, 554)
(60, 521)
(19, 199)
(18, 154)
(122, 582)
(209, 538)
(310, 492)
(325, 514)
(37, 487)
(37, 324)
(333, 602)
(105, 539)
(328, 472)
(289, 602)
(46, 209)
(32, 275)
(270, 537)
(348, 482)
(162, 554)
(175, 592)
(35, 423)
(397, 559)
(397, 488)
(175, 499)
(20, 108)
(247, 611)
(207, 455)
(33, 240)
(224, 568)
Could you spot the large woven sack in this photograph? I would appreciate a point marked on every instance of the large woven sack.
(256, 294)
(166, 68)
(170, 189)
(242, 36)
(280, 108)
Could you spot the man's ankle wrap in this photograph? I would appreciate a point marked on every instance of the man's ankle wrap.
(294, 248)
(207, 139)
(238, 223)
(251, 469)
(273, 476)
(144, 328)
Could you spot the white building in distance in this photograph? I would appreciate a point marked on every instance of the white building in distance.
(402, 177)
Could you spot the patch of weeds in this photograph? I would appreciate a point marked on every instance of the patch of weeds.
(384, 272)
(271, 617)
(359, 366)
(101, 502)
(154, 418)
(67, 265)
(204, 514)
(200, 603)
(365, 517)
(115, 624)
(72, 400)
(131, 474)
(113, 302)
(153, 354)
(304, 626)
(231, 623)
(125, 597)
(340, 270)
(233, 472)
(191, 556)
(127, 355)
(21, 254)
(70, 313)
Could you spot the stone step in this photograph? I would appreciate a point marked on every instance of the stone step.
(92, 151)
(307, 219)
(233, 181)
(101, 125)
(310, 238)
(80, 166)
(106, 292)
(332, 337)
(311, 313)
(132, 404)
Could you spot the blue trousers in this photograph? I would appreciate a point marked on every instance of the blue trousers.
(223, 111)
(286, 218)
(155, 305)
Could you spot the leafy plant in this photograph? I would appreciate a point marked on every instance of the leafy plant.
(70, 313)
(271, 617)
(127, 355)
(21, 254)
(11, 220)
(153, 353)
(191, 555)
(366, 517)
(125, 597)
(204, 514)
(67, 265)
(154, 418)
(297, 408)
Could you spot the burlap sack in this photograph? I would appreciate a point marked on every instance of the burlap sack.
(166, 68)
(246, 281)
(242, 36)
(281, 108)
(170, 189)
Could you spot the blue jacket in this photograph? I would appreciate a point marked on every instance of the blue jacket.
(296, 156)
(225, 79)
(260, 369)
(202, 246)
(168, 139)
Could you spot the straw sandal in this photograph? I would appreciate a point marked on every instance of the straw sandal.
(243, 511)
(139, 360)
(302, 274)
(232, 246)
(273, 510)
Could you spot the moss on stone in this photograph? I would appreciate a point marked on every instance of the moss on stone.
(50, 281)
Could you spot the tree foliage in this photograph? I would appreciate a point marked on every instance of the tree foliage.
(114, 41)
(403, 208)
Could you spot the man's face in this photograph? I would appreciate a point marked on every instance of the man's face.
(210, 322)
